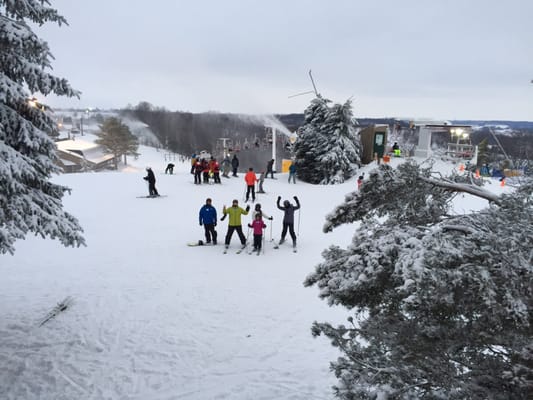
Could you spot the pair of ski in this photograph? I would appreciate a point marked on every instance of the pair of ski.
(294, 248)
(237, 252)
(60, 307)
(258, 252)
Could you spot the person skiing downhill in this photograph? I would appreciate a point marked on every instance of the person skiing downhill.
(150, 177)
(288, 218)
(208, 218)
(234, 223)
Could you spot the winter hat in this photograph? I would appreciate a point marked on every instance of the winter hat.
(257, 207)
(286, 203)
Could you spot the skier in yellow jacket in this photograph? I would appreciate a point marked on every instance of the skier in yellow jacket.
(234, 223)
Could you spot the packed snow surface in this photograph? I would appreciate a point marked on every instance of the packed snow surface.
(152, 318)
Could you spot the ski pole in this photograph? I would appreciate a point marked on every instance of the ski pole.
(264, 239)
(271, 230)
(299, 213)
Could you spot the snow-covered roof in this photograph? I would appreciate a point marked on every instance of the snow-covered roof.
(78, 144)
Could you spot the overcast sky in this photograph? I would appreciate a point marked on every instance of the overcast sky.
(442, 59)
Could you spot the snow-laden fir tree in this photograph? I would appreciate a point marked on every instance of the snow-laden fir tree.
(442, 304)
(117, 139)
(327, 150)
(29, 202)
(341, 157)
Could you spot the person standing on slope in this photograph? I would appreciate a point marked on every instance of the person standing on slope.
(257, 225)
(258, 211)
(208, 218)
(234, 224)
(288, 218)
(292, 172)
(150, 177)
(270, 168)
(235, 164)
(250, 180)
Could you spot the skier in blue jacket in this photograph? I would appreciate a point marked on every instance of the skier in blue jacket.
(208, 218)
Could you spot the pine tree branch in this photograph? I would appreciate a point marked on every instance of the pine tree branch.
(459, 187)
(460, 228)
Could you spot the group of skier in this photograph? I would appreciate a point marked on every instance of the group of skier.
(208, 219)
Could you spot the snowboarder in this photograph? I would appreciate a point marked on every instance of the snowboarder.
(288, 219)
(235, 164)
(150, 177)
(169, 169)
(208, 218)
(257, 225)
(234, 223)
(250, 178)
(292, 172)
(270, 169)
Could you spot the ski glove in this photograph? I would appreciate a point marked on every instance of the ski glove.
(271, 218)
(295, 198)
(279, 199)
(247, 208)
(201, 223)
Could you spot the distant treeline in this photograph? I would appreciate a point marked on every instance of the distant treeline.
(187, 133)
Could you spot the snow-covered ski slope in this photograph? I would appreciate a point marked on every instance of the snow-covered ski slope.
(156, 319)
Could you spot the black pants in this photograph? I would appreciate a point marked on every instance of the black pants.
(198, 177)
(290, 227)
(210, 233)
(250, 189)
(258, 240)
(206, 177)
(271, 172)
(239, 232)
(152, 190)
(216, 177)
(235, 171)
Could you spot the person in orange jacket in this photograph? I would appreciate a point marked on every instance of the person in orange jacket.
(250, 178)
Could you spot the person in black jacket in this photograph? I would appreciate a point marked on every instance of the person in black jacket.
(150, 177)
(235, 164)
(288, 218)
(169, 169)
(270, 169)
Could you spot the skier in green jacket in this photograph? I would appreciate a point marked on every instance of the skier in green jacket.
(234, 212)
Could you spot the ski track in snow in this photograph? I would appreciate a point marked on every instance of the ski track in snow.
(155, 319)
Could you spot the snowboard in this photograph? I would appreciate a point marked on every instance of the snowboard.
(151, 197)
(197, 243)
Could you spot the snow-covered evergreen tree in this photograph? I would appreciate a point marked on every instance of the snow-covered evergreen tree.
(327, 150)
(29, 202)
(117, 139)
(341, 155)
(443, 305)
